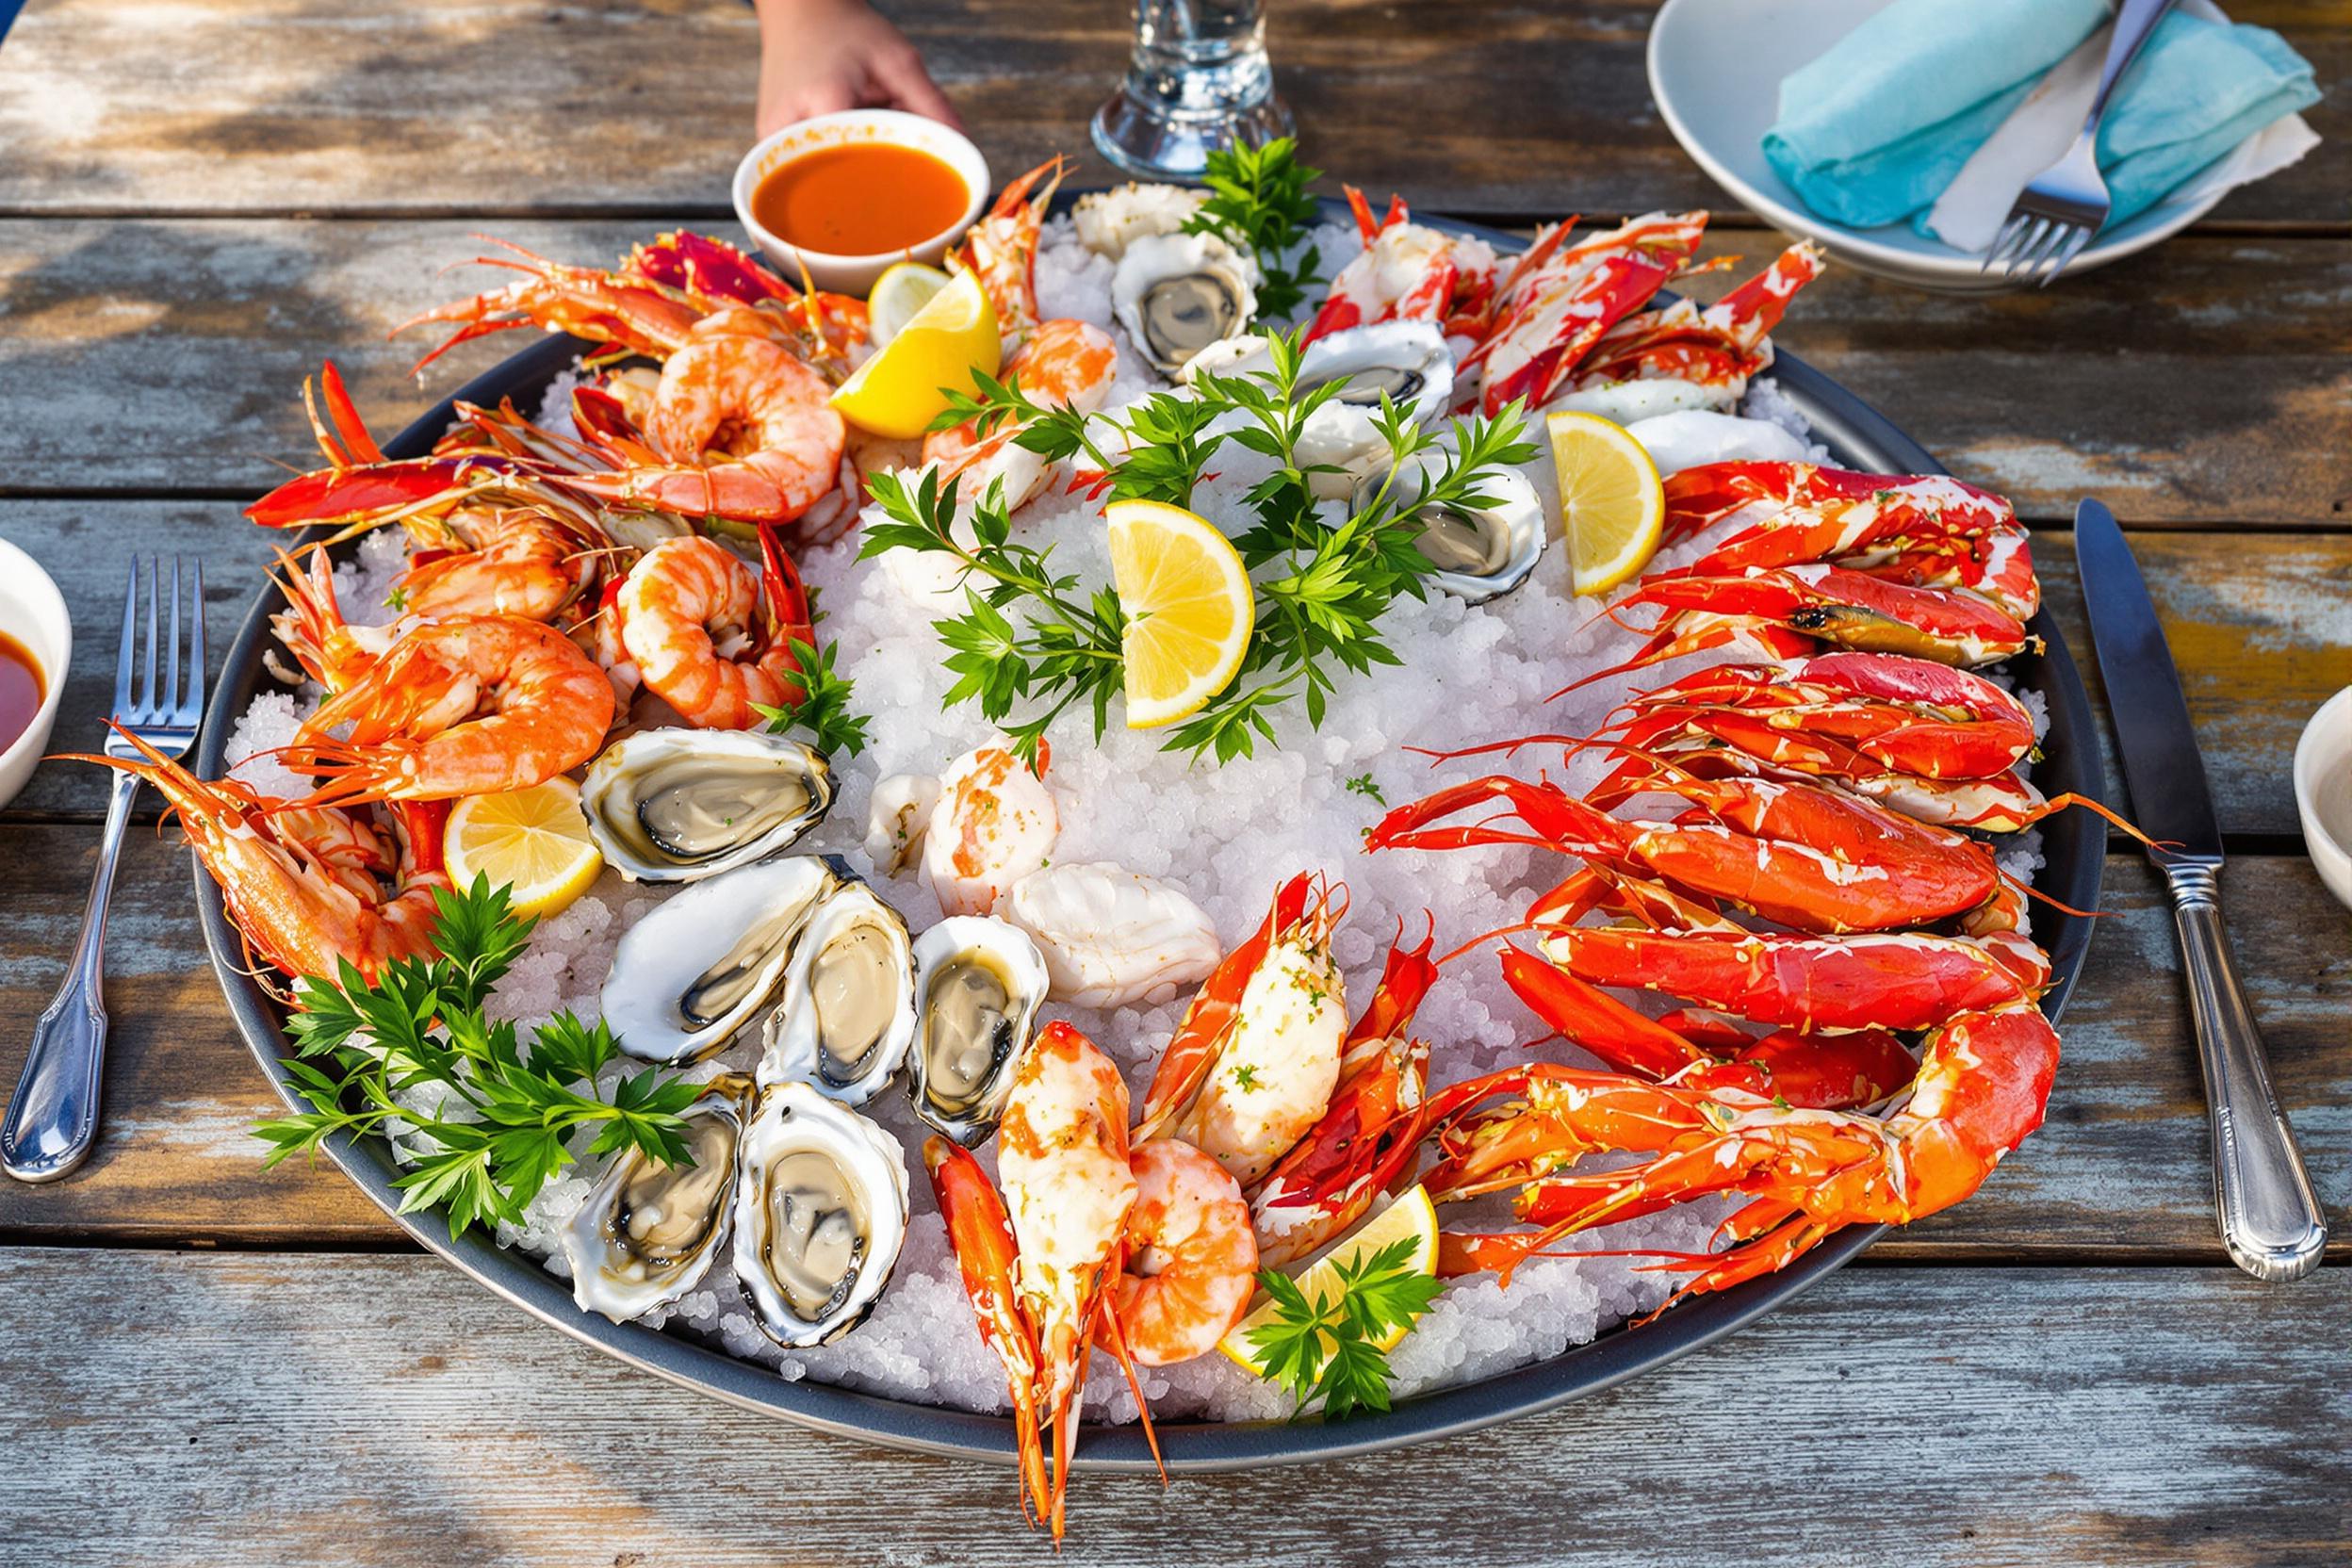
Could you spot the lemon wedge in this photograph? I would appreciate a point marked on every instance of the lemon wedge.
(898, 295)
(535, 841)
(1411, 1216)
(1188, 605)
(1612, 505)
(899, 391)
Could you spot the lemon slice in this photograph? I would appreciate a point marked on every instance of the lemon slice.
(903, 387)
(535, 841)
(1411, 1216)
(1612, 505)
(898, 295)
(1189, 606)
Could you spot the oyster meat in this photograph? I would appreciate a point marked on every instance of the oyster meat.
(1178, 293)
(647, 1233)
(848, 1012)
(978, 985)
(678, 804)
(1113, 938)
(1479, 552)
(820, 1214)
(699, 966)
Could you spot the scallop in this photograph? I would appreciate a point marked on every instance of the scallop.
(820, 1215)
(848, 1009)
(1113, 938)
(1178, 293)
(698, 968)
(647, 1233)
(978, 985)
(1481, 551)
(680, 805)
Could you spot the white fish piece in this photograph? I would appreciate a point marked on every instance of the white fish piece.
(1108, 221)
(1691, 436)
(1113, 938)
(896, 815)
(995, 822)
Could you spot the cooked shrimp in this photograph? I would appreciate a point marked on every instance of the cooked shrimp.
(330, 651)
(994, 823)
(473, 705)
(707, 637)
(1062, 1157)
(1002, 248)
(1063, 364)
(739, 428)
(309, 888)
(509, 560)
(1192, 1259)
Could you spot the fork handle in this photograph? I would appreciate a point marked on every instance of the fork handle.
(2134, 20)
(52, 1121)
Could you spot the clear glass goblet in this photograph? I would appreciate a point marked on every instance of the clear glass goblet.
(1199, 81)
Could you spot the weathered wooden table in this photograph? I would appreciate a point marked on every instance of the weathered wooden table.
(205, 1363)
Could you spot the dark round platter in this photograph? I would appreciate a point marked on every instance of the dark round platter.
(2074, 844)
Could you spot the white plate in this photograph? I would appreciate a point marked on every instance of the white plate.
(1715, 68)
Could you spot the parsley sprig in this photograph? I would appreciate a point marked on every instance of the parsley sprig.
(821, 705)
(510, 1112)
(1324, 1349)
(1258, 203)
(1322, 581)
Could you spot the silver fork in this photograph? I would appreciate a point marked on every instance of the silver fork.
(54, 1118)
(2056, 216)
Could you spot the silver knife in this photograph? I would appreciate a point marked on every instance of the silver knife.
(2270, 1217)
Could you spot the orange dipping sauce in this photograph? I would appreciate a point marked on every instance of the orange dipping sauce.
(859, 199)
(20, 689)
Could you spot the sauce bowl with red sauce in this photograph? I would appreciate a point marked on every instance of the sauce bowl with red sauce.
(847, 195)
(36, 643)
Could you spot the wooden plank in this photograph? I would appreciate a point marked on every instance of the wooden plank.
(2260, 624)
(2120, 1171)
(1521, 108)
(145, 357)
(338, 1409)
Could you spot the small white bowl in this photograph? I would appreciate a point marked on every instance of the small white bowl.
(855, 275)
(33, 611)
(2322, 792)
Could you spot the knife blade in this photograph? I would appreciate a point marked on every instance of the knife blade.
(2170, 800)
(2270, 1218)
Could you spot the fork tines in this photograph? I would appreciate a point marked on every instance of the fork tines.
(2037, 245)
(159, 677)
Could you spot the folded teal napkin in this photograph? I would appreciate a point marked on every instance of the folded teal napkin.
(2196, 90)
(1872, 131)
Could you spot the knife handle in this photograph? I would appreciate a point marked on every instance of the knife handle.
(2270, 1217)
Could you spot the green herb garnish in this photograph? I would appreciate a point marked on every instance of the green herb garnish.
(1031, 634)
(1323, 1349)
(508, 1112)
(1258, 203)
(1362, 784)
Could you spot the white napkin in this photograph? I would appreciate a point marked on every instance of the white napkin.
(1972, 208)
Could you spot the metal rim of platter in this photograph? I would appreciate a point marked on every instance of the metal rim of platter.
(2074, 847)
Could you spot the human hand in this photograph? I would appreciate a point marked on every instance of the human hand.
(817, 57)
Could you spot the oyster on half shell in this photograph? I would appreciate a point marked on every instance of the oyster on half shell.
(820, 1214)
(978, 985)
(1406, 360)
(1178, 293)
(646, 1232)
(678, 804)
(1479, 552)
(848, 1009)
(698, 966)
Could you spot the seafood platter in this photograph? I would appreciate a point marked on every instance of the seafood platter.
(977, 1054)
